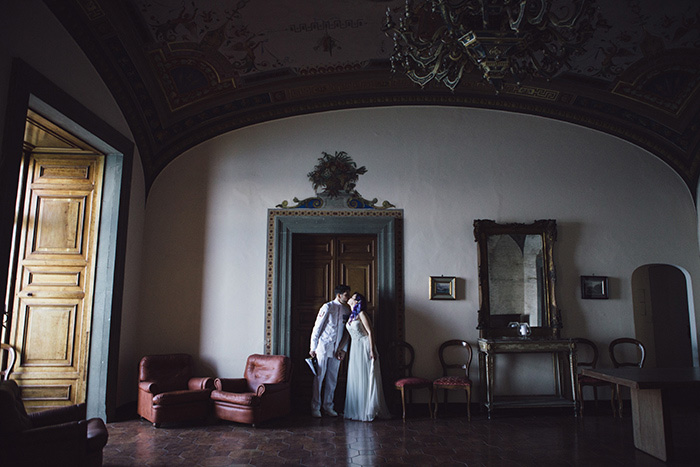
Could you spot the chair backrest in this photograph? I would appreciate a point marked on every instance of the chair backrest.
(404, 356)
(622, 343)
(11, 356)
(171, 372)
(584, 348)
(463, 362)
(267, 369)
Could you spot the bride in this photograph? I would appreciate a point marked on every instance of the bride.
(364, 398)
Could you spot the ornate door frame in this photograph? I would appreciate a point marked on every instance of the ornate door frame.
(283, 224)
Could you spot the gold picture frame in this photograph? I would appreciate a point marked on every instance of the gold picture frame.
(443, 288)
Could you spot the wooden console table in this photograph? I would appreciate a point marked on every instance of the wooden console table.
(559, 348)
(650, 411)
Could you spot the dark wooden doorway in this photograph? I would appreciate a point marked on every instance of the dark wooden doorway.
(320, 262)
(661, 315)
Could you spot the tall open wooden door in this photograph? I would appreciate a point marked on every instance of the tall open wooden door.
(320, 262)
(54, 266)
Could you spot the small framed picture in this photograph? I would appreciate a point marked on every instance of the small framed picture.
(442, 288)
(594, 287)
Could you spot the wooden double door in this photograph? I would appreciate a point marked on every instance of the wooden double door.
(320, 262)
(55, 249)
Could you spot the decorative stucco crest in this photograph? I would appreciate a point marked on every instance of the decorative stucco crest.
(334, 179)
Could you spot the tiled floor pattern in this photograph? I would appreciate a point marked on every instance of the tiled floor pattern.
(523, 439)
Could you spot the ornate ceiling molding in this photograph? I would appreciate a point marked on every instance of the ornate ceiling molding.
(175, 96)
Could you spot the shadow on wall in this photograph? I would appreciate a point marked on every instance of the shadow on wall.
(172, 296)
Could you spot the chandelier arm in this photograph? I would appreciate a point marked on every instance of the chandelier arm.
(424, 79)
(452, 83)
(484, 16)
(426, 61)
(569, 22)
(450, 17)
(544, 7)
(515, 23)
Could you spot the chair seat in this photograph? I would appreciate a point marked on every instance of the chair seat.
(181, 397)
(412, 382)
(240, 398)
(452, 382)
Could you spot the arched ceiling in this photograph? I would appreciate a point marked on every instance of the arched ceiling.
(184, 71)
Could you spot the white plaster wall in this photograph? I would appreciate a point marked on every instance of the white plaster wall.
(617, 207)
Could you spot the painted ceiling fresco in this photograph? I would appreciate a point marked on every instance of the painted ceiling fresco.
(184, 71)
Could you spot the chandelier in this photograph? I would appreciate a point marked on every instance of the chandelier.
(505, 40)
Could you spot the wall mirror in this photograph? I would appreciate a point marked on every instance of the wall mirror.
(517, 278)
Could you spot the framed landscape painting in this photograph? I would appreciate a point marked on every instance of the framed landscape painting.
(442, 288)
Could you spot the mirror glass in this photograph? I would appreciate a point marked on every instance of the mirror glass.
(516, 277)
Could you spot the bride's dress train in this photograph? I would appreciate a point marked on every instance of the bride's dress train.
(364, 399)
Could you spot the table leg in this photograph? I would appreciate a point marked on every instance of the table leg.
(652, 428)
(574, 381)
(489, 383)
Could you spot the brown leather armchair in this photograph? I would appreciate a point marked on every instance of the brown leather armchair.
(263, 393)
(169, 393)
(60, 436)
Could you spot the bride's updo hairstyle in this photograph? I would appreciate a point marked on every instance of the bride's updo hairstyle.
(360, 306)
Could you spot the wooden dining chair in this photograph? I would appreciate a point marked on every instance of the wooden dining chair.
(621, 357)
(587, 357)
(461, 364)
(11, 356)
(407, 382)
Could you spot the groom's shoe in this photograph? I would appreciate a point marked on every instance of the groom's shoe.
(331, 412)
(315, 413)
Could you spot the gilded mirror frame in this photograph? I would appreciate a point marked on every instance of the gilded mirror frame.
(547, 229)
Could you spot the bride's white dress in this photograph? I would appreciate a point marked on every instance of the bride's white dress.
(364, 399)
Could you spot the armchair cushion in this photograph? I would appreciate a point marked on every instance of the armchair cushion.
(231, 384)
(181, 397)
(414, 382)
(452, 381)
(248, 399)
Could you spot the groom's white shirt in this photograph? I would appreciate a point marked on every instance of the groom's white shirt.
(327, 335)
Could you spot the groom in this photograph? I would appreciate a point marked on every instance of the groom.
(328, 345)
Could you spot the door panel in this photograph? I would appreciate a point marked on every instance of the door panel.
(320, 262)
(45, 320)
(53, 297)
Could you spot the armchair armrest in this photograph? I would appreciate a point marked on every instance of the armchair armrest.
(271, 388)
(231, 384)
(149, 387)
(72, 413)
(200, 383)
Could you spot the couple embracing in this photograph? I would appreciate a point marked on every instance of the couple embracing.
(364, 398)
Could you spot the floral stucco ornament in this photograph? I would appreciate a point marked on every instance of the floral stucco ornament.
(335, 174)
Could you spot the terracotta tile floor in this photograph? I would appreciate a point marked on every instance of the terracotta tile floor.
(529, 438)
